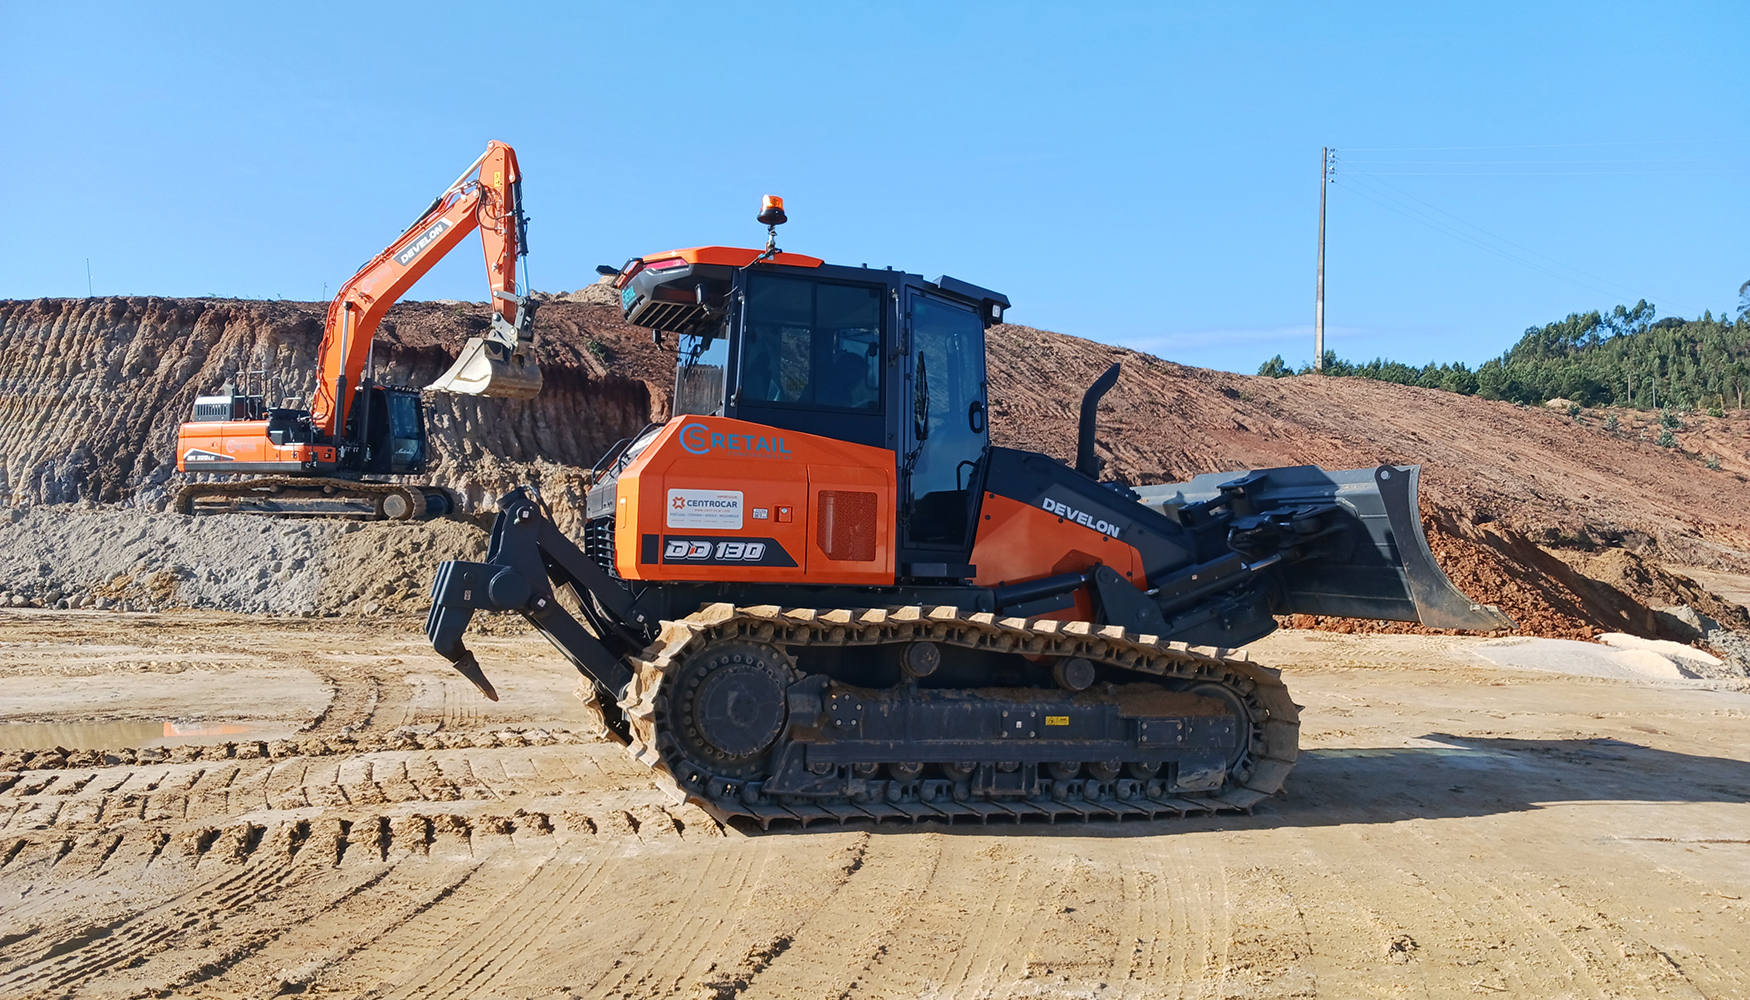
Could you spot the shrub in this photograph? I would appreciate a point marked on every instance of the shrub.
(1275, 368)
(1666, 440)
(1712, 462)
(1611, 423)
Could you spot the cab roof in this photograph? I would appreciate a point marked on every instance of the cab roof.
(730, 256)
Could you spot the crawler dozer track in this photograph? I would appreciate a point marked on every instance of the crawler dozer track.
(686, 726)
(294, 495)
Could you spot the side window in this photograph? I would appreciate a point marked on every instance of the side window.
(811, 344)
(698, 381)
(947, 414)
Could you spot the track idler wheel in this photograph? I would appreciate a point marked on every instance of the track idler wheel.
(1238, 764)
(727, 709)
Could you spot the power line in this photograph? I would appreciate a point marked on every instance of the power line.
(1494, 236)
(1522, 163)
(1463, 238)
(1543, 173)
(1542, 145)
(1369, 178)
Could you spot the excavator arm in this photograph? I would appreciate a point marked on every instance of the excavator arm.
(488, 197)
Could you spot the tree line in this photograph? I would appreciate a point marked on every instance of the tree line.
(1624, 357)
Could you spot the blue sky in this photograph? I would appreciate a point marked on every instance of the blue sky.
(1143, 174)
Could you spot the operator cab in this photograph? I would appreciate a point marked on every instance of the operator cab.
(873, 357)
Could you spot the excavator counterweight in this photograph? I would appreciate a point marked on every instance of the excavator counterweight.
(819, 593)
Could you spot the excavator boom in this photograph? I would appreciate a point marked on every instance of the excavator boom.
(487, 196)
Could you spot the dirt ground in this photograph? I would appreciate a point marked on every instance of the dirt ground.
(319, 809)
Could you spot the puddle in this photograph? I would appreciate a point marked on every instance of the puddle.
(115, 735)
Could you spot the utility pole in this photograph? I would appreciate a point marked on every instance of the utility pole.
(88, 278)
(1319, 306)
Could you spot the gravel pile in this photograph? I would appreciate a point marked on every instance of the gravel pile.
(128, 559)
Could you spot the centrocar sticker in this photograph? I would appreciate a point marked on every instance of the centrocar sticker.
(704, 509)
(724, 551)
(699, 439)
(1081, 517)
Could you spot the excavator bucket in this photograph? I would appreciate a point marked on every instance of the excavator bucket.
(488, 366)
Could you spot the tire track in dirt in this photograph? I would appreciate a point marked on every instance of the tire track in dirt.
(131, 940)
(978, 919)
(679, 930)
(1569, 941)
(471, 964)
(1519, 932)
(838, 954)
(1168, 943)
(295, 957)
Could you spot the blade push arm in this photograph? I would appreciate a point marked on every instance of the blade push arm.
(488, 197)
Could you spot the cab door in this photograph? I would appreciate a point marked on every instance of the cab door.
(946, 433)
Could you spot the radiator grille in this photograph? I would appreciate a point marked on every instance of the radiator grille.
(598, 542)
(845, 525)
(674, 317)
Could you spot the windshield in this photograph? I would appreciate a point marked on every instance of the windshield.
(812, 344)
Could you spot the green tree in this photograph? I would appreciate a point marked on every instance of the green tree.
(1622, 357)
(1275, 368)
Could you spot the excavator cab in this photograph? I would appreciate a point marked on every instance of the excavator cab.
(391, 426)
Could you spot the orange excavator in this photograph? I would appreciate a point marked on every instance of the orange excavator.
(317, 460)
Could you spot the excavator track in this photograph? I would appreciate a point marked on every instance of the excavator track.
(299, 496)
(652, 714)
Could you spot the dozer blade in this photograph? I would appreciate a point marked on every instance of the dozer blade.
(489, 367)
(1387, 570)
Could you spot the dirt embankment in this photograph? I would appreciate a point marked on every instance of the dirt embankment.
(92, 390)
(1518, 502)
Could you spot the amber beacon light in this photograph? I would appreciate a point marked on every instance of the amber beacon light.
(772, 211)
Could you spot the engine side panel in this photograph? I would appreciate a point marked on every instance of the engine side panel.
(717, 499)
(1018, 541)
(1085, 507)
(241, 446)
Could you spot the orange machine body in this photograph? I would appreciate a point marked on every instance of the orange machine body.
(727, 256)
(713, 499)
(1017, 542)
(244, 446)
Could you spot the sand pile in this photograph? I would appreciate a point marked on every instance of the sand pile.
(125, 558)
